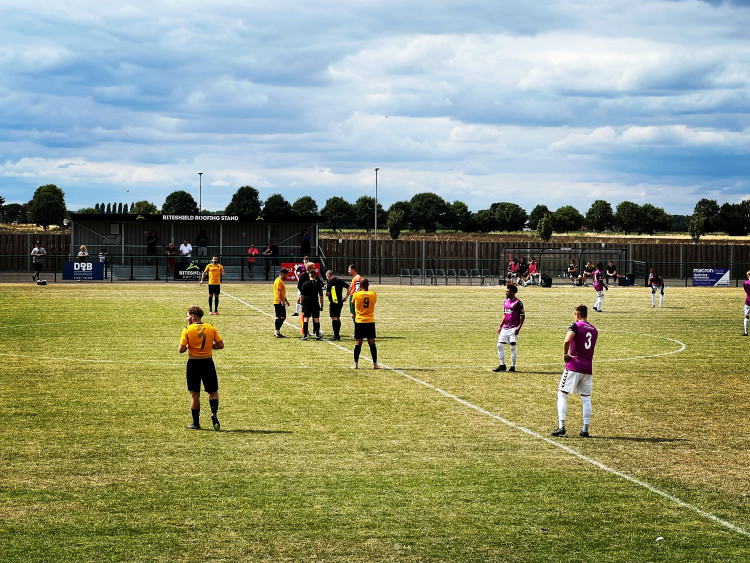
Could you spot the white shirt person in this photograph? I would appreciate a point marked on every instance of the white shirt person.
(186, 249)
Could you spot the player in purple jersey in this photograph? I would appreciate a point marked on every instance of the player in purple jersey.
(578, 353)
(657, 284)
(509, 328)
(599, 286)
(747, 303)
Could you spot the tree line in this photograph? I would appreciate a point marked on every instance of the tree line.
(426, 212)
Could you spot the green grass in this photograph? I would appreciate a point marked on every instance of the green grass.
(316, 461)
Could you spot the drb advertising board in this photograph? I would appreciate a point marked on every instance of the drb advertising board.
(296, 268)
(83, 271)
(715, 277)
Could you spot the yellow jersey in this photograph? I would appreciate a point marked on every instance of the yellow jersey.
(199, 339)
(214, 273)
(364, 306)
(279, 291)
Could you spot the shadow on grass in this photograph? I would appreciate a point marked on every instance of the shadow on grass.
(637, 439)
(251, 431)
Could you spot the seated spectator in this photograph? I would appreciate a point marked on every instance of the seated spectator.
(513, 266)
(573, 272)
(611, 272)
(588, 271)
(534, 274)
(523, 272)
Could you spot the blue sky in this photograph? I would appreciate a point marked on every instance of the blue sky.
(556, 102)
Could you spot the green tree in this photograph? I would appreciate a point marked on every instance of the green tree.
(47, 207)
(600, 216)
(305, 206)
(459, 217)
(680, 223)
(485, 221)
(395, 222)
(734, 218)
(654, 219)
(545, 226)
(277, 206)
(627, 216)
(338, 213)
(709, 209)
(245, 201)
(510, 216)
(536, 215)
(142, 207)
(364, 213)
(405, 208)
(15, 213)
(179, 203)
(87, 211)
(697, 227)
(567, 219)
(427, 211)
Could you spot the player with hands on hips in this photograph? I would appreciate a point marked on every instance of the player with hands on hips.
(509, 328)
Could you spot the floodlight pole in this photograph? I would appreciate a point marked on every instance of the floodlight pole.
(376, 204)
(200, 193)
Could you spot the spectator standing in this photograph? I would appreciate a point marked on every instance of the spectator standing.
(83, 254)
(252, 252)
(37, 257)
(186, 249)
(202, 242)
(151, 241)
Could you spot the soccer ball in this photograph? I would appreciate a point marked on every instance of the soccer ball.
(41, 282)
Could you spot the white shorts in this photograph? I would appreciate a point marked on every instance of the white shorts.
(600, 293)
(572, 382)
(747, 310)
(507, 336)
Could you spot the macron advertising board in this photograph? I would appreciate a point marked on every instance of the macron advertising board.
(712, 277)
(80, 271)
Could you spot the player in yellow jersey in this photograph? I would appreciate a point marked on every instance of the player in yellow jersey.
(215, 271)
(199, 340)
(364, 324)
(280, 302)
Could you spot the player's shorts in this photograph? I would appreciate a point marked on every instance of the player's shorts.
(334, 309)
(600, 293)
(363, 331)
(659, 288)
(747, 310)
(280, 310)
(507, 336)
(38, 266)
(214, 289)
(573, 381)
(311, 311)
(202, 370)
(351, 306)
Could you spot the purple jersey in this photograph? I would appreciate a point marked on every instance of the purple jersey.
(655, 280)
(598, 280)
(747, 292)
(582, 346)
(513, 310)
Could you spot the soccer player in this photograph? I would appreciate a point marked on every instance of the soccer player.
(200, 339)
(336, 291)
(280, 302)
(578, 353)
(303, 276)
(657, 284)
(311, 299)
(37, 257)
(599, 286)
(353, 288)
(364, 325)
(215, 271)
(746, 286)
(510, 327)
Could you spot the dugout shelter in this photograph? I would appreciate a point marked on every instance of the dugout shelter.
(554, 261)
(123, 236)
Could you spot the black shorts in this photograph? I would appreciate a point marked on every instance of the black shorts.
(202, 370)
(311, 311)
(38, 266)
(280, 310)
(334, 309)
(363, 331)
(214, 288)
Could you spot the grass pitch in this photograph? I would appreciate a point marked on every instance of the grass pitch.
(433, 457)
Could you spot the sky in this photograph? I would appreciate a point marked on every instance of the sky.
(547, 102)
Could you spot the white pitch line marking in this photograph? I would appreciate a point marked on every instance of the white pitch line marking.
(551, 442)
